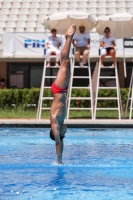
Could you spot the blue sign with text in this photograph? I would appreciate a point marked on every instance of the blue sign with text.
(34, 43)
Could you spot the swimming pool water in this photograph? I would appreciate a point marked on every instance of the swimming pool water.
(98, 165)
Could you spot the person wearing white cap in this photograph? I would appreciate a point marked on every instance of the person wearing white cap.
(81, 42)
(108, 43)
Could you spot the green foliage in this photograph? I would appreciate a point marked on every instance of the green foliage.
(26, 98)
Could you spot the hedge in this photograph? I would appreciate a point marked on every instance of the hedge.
(29, 97)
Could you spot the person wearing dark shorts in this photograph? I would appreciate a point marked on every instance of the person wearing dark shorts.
(59, 88)
(108, 43)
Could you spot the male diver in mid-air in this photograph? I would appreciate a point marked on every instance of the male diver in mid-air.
(59, 88)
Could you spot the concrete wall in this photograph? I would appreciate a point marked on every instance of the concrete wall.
(3, 71)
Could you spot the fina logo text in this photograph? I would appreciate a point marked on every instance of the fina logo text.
(34, 43)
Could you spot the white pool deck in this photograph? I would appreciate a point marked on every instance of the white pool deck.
(75, 123)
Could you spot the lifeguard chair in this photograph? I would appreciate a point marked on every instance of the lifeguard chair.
(88, 87)
(42, 98)
(116, 87)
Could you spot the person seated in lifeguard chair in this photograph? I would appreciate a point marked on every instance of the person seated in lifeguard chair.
(81, 42)
(108, 46)
(53, 44)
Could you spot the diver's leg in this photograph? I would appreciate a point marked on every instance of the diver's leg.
(63, 75)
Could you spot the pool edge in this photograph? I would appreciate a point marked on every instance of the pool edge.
(73, 123)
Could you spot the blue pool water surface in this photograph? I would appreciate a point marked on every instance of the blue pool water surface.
(98, 165)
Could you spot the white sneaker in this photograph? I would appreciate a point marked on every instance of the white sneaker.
(81, 64)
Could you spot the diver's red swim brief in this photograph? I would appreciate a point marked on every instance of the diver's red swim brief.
(55, 89)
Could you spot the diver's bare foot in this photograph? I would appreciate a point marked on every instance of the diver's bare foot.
(71, 31)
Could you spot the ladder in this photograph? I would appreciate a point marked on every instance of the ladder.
(71, 87)
(130, 97)
(118, 97)
(43, 87)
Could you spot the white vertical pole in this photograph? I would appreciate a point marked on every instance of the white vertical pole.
(131, 104)
(129, 92)
(38, 116)
(124, 62)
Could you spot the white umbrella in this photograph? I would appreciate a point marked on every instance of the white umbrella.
(121, 25)
(62, 20)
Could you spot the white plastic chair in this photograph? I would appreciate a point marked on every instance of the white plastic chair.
(102, 0)
(10, 29)
(130, 10)
(21, 24)
(46, 1)
(111, 4)
(43, 11)
(40, 29)
(63, 5)
(24, 11)
(14, 11)
(92, 4)
(6, 5)
(73, 5)
(44, 5)
(35, 5)
(92, 11)
(41, 17)
(33, 12)
(17, 1)
(31, 24)
(121, 10)
(16, 5)
(27, 1)
(30, 29)
(19, 29)
(2, 24)
(130, 4)
(32, 18)
(4, 11)
(64, 1)
(53, 5)
(25, 5)
(102, 4)
(3, 17)
(62, 9)
(2, 30)
(13, 18)
(36, 1)
(22, 17)
(82, 9)
(11, 24)
(121, 4)
(52, 11)
(38, 24)
(111, 11)
(7, 1)
(82, 5)
(102, 11)
(89, 1)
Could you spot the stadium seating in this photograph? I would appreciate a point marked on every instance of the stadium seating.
(26, 15)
